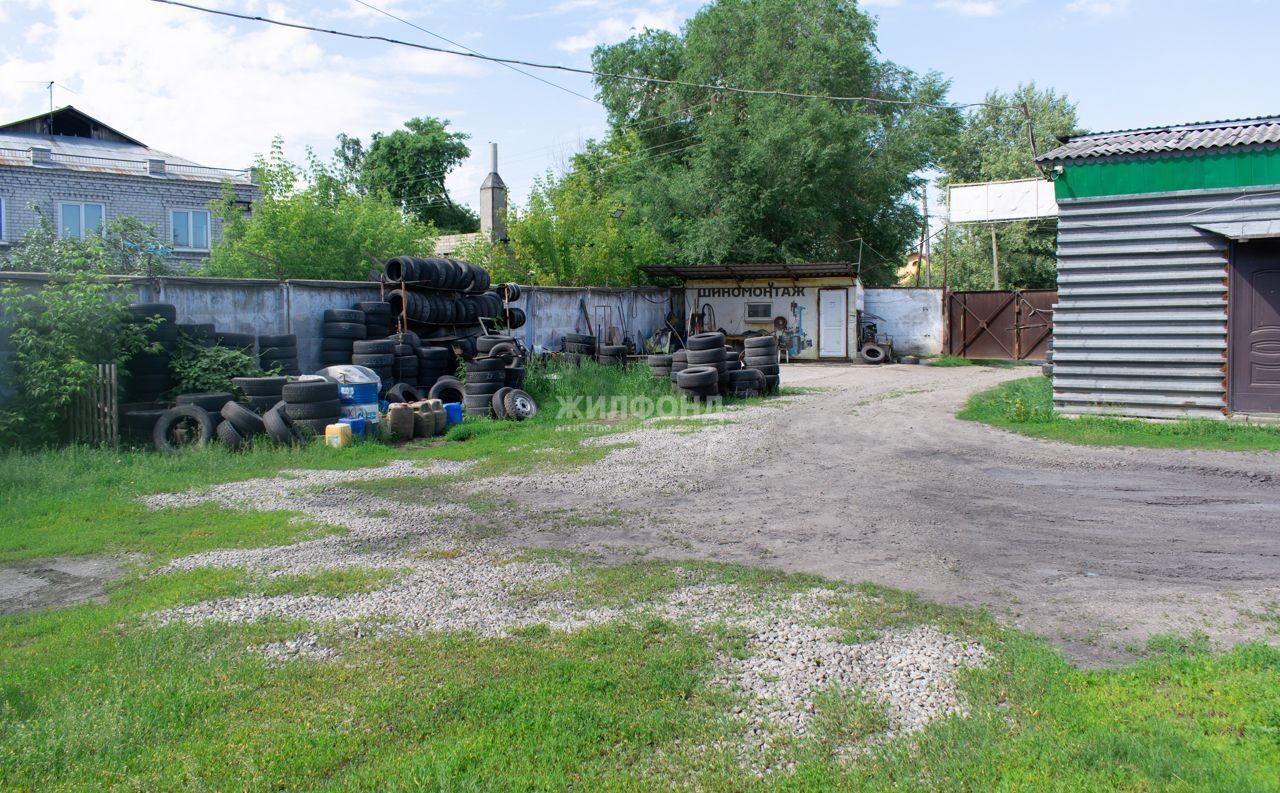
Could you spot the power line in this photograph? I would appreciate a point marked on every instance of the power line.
(475, 52)
(574, 70)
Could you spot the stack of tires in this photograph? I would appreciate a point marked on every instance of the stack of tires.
(698, 381)
(447, 293)
(434, 363)
(378, 355)
(485, 377)
(200, 334)
(342, 328)
(578, 347)
(311, 405)
(506, 349)
(378, 321)
(762, 354)
(279, 352)
(746, 383)
(611, 355)
(404, 369)
(660, 367)
(246, 343)
(731, 364)
(148, 372)
(239, 425)
(679, 362)
(260, 393)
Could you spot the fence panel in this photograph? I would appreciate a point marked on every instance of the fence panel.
(1015, 325)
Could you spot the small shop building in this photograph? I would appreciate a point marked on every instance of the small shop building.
(812, 307)
(1168, 271)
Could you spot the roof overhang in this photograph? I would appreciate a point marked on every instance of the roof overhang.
(1244, 230)
(746, 272)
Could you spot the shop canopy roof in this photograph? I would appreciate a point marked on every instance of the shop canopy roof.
(743, 272)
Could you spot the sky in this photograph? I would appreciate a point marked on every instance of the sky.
(217, 90)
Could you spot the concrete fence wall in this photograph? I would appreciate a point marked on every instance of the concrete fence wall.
(615, 315)
(910, 317)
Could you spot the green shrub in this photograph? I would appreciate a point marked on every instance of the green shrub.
(198, 369)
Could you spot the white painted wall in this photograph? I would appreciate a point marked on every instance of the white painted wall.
(728, 300)
(911, 317)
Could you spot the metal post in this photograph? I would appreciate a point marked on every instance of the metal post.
(995, 258)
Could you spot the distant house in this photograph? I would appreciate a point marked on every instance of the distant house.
(79, 172)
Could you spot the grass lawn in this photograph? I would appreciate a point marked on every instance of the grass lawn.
(1026, 406)
(100, 696)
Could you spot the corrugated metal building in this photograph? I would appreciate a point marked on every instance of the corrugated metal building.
(1169, 271)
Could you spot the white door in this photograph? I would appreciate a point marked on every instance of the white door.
(833, 323)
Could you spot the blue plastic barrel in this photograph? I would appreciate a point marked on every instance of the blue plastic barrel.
(359, 400)
(453, 413)
(357, 425)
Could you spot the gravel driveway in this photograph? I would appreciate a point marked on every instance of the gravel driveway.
(873, 478)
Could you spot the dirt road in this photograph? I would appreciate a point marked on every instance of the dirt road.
(873, 478)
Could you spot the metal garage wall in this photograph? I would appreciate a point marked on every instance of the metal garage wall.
(634, 314)
(911, 317)
(1140, 327)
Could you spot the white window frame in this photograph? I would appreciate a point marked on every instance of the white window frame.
(82, 205)
(746, 311)
(190, 236)
(4, 223)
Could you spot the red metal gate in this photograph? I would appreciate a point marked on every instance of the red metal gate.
(1016, 325)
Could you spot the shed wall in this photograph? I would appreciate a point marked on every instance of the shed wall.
(633, 314)
(910, 317)
(1140, 327)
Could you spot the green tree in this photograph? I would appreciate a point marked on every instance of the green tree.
(410, 165)
(126, 246)
(312, 228)
(993, 145)
(730, 177)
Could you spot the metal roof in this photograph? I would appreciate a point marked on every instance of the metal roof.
(742, 272)
(1195, 137)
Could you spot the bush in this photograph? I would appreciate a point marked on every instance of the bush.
(198, 369)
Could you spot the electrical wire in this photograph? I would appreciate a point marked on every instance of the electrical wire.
(591, 72)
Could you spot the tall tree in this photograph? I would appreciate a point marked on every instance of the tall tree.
(724, 176)
(993, 145)
(410, 165)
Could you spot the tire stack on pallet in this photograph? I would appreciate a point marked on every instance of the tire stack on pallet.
(279, 352)
(577, 347)
(378, 321)
(378, 355)
(260, 393)
(148, 372)
(762, 354)
(611, 355)
(310, 406)
(660, 367)
(342, 328)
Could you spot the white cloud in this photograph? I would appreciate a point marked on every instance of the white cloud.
(881, 3)
(616, 28)
(215, 90)
(971, 8)
(1098, 8)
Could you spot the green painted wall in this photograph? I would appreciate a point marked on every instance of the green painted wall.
(1170, 173)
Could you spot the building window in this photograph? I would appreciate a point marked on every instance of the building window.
(77, 220)
(759, 312)
(4, 232)
(190, 229)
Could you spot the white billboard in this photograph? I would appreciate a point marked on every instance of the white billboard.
(989, 202)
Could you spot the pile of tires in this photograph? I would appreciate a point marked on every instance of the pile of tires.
(341, 329)
(761, 352)
(513, 404)
(706, 350)
(404, 369)
(679, 362)
(183, 426)
(745, 383)
(697, 382)
(485, 376)
(310, 406)
(434, 363)
(148, 376)
(378, 355)
(260, 393)
(279, 352)
(446, 275)
(578, 347)
(660, 366)
(448, 293)
(378, 321)
(509, 351)
(246, 343)
(611, 355)
(239, 425)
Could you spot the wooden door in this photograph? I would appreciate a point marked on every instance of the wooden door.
(1253, 346)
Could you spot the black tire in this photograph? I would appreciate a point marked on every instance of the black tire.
(246, 422)
(579, 349)
(138, 420)
(236, 341)
(229, 436)
(519, 405)
(446, 389)
(485, 365)
(374, 361)
(277, 353)
(337, 345)
(766, 368)
(680, 356)
(403, 392)
(149, 384)
(259, 386)
(302, 411)
(747, 376)
(756, 360)
(377, 331)
(211, 401)
(497, 376)
(374, 308)
(516, 318)
(343, 330)
(144, 311)
(871, 353)
(705, 341)
(613, 350)
(496, 402)
(374, 347)
(285, 340)
(343, 315)
(579, 338)
(760, 343)
(182, 427)
(486, 342)
(441, 355)
(513, 376)
(309, 391)
(660, 361)
(407, 337)
(261, 404)
(703, 357)
(278, 425)
(474, 389)
(145, 364)
(660, 372)
(509, 292)
(697, 377)
(334, 358)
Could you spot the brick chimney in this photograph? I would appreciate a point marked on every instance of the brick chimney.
(493, 201)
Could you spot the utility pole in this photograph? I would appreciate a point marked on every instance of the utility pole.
(995, 258)
(924, 235)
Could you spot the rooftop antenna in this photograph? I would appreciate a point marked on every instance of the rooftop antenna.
(49, 84)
